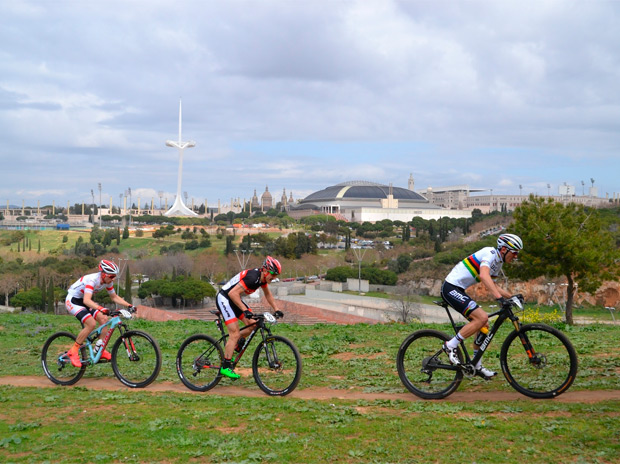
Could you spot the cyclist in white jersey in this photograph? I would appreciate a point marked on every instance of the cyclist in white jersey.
(482, 266)
(80, 304)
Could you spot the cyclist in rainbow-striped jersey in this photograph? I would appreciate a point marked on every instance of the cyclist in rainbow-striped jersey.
(482, 266)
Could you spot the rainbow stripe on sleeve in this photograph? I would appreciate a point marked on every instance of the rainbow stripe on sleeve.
(473, 266)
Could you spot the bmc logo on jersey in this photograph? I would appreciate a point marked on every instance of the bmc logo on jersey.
(457, 296)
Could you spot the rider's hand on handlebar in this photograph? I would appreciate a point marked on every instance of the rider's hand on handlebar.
(132, 309)
(278, 314)
(503, 301)
(248, 314)
(103, 310)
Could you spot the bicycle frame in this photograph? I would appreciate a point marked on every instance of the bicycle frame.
(502, 315)
(260, 326)
(94, 358)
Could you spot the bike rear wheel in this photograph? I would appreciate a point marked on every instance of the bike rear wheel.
(538, 361)
(276, 366)
(198, 362)
(424, 368)
(136, 359)
(55, 361)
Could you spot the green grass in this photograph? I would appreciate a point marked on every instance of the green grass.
(69, 425)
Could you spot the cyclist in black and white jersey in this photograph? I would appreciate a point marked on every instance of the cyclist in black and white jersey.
(80, 304)
(482, 266)
(234, 309)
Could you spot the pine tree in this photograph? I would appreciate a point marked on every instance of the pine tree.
(564, 240)
(127, 285)
(43, 295)
(50, 296)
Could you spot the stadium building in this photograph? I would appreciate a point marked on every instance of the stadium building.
(361, 201)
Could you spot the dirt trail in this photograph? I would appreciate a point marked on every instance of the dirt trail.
(313, 393)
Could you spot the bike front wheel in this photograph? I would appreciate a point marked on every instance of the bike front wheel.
(56, 363)
(424, 368)
(538, 361)
(198, 362)
(276, 366)
(136, 359)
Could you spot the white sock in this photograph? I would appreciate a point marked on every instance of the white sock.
(452, 344)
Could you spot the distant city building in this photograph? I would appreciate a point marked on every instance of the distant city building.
(266, 200)
(255, 204)
(362, 201)
(458, 197)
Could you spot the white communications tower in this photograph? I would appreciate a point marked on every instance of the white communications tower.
(178, 208)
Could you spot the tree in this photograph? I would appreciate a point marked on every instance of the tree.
(565, 240)
(28, 299)
(127, 285)
(126, 233)
(50, 297)
(404, 306)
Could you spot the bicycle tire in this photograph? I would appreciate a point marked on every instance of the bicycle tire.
(423, 367)
(276, 366)
(198, 362)
(138, 363)
(551, 370)
(56, 365)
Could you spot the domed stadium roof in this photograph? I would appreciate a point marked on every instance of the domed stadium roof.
(361, 190)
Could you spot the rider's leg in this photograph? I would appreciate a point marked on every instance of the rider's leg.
(233, 337)
(479, 318)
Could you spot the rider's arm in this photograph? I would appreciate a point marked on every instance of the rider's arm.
(269, 297)
(118, 300)
(89, 302)
(487, 280)
(235, 295)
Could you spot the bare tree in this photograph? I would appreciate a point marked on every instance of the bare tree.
(8, 284)
(404, 307)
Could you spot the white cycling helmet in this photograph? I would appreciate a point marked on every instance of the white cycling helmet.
(510, 241)
(108, 267)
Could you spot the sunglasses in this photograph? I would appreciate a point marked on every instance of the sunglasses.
(273, 273)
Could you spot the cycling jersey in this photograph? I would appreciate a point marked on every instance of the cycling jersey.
(467, 272)
(250, 280)
(90, 283)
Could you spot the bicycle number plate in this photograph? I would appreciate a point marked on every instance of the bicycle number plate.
(269, 317)
(126, 314)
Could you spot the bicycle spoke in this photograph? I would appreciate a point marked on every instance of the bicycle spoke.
(55, 361)
(419, 362)
(545, 370)
(198, 362)
(277, 366)
(136, 359)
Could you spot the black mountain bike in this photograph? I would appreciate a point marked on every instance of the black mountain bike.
(136, 357)
(276, 364)
(536, 359)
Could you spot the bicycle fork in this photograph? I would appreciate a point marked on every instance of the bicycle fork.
(272, 356)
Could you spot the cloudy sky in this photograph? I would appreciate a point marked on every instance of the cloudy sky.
(303, 94)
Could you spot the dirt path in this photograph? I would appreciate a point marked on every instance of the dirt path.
(313, 393)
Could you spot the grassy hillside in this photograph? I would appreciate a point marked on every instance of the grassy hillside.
(145, 426)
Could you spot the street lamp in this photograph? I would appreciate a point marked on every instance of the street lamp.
(548, 189)
(99, 185)
(520, 189)
(92, 194)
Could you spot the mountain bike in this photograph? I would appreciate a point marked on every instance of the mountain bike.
(276, 364)
(538, 361)
(136, 357)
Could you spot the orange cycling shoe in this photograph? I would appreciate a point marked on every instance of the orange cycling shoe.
(74, 357)
(105, 354)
